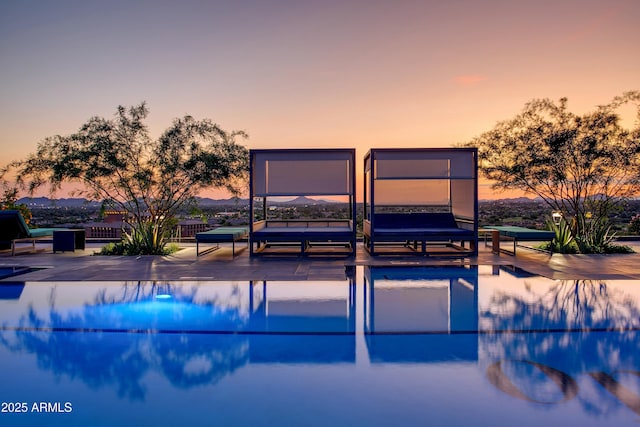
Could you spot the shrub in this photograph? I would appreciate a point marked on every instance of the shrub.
(618, 249)
(123, 248)
(634, 224)
(112, 249)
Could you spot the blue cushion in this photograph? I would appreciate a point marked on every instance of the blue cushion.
(415, 220)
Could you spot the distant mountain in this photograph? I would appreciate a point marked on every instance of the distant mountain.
(205, 201)
(45, 202)
(302, 200)
(512, 200)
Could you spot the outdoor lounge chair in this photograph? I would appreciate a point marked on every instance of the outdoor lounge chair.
(220, 235)
(14, 229)
(518, 234)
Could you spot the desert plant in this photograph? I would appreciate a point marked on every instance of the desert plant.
(634, 224)
(9, 201)
(563, 242)
(598, 236)
(111, 249)
(582, 165)
(117, 161)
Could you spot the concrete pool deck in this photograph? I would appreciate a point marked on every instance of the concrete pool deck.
(83, 265)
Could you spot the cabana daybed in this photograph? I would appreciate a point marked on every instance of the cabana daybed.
(277, 177)
(422, 201)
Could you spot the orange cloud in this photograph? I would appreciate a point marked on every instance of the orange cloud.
(469, 79)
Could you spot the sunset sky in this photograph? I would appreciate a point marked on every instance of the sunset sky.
(309, 73)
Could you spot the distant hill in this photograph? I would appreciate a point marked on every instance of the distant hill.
(304, 201)
(298, 201)
(205, 202)
(512, 200)
(45, 202)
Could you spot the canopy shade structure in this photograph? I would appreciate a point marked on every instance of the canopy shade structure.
(298, 173)
(421, 164)
(426, 196)
(302, 172)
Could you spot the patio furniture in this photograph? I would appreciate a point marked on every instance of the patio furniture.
(277, 177)
(220, 235)
(68, 239)
(518, 234)
(14, 229)
(421, 201)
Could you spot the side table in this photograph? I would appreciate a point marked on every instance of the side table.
(68, 239)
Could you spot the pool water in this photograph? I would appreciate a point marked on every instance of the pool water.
(10, 271)
(454, 346)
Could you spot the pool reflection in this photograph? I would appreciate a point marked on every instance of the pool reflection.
(440, 301)
(492, 332)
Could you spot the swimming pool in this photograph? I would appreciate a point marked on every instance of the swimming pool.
(468, 345)
(10, 270)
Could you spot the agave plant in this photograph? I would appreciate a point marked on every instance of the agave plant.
(563, 242)
(597, 237)
(146, 238)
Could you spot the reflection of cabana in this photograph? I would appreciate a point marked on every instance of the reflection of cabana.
(427, 196)
(438, 303)
(278, 174)
(313, 324)
(315, 307)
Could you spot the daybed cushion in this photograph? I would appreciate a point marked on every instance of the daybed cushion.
(436, 220)
(221, 234)
(425, 232)
(419, 225)
(524, 234)
(302, 232)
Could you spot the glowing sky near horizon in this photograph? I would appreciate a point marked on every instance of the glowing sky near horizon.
(325, 73)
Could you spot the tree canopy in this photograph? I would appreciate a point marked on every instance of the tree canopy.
(580, 165)
(116, 161)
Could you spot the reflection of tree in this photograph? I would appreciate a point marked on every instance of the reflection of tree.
(120, 358)
(580, 304)
(559, 323)
(576, 327)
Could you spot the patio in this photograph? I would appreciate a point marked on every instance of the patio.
(220, 265)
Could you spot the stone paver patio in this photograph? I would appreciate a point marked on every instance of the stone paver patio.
(219, 265)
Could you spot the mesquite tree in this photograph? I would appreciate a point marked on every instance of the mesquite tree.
(115, 160)
(580, 165)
